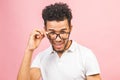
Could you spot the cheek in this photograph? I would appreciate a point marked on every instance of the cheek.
(66, 42)
(51, 41)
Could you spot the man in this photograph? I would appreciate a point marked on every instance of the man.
(65, 59)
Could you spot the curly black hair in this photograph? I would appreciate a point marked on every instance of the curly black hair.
(58, 11)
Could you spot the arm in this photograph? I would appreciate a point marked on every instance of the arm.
(35, 74)
(92, 67)
(25, 72)
(94, 77)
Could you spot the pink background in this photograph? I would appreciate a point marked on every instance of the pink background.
(96, 24)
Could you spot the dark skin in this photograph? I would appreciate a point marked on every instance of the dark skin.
(59, 45)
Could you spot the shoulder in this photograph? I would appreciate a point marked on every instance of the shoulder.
(80, 47)
(82, 50)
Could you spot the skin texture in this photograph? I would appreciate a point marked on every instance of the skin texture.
(59, 45)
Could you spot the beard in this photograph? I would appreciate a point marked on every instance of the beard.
(64, 44)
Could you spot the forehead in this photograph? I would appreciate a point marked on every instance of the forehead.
(57, 25)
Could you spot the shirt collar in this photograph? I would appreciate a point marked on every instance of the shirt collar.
(72, 47)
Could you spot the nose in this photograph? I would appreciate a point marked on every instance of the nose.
(58, 38)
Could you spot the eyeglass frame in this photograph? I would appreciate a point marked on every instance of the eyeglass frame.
(47, 33)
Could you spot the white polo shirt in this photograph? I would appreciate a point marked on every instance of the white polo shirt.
(75, 64)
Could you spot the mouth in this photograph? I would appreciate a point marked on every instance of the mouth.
(58, 45)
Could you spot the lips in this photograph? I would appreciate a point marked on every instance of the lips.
(58, 45)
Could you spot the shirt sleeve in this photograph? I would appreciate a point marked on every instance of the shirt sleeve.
(36, 62)
(91, 64)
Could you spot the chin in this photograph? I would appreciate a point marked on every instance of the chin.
(59, 50)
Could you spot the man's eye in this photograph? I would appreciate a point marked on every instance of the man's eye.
(52, 33)
(62, 32)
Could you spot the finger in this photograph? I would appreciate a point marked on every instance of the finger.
(42, 32)
(38, 35)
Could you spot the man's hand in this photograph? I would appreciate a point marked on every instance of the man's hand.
(25, 72)
(35, 38)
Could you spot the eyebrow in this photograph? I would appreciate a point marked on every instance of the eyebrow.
(52, 29)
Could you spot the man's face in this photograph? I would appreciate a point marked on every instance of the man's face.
(58, 34)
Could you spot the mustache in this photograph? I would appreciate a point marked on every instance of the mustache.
(58, 42)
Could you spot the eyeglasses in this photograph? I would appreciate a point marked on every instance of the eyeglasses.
(62, 35)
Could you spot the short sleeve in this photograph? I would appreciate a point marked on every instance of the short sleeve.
(36, 62)
(91, 64)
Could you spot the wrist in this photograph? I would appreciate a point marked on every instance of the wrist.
(29, 50)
